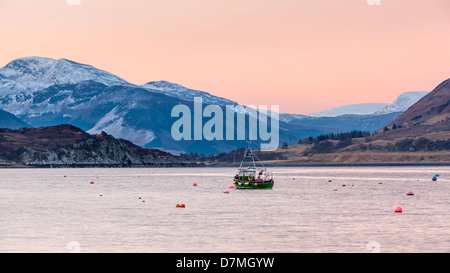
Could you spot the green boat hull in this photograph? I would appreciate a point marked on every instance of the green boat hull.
(239, 184)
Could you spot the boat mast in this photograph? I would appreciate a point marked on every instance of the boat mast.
(249, 154)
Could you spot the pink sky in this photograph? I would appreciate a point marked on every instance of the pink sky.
(303, 55)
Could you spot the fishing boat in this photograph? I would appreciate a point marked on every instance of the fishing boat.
(252, 176)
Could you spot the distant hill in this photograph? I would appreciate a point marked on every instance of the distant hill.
(400, 104)
(351, 109)
(67, 145)
(420, 134)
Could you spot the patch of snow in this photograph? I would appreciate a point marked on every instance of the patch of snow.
(112, 124)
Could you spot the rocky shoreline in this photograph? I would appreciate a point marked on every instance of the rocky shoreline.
(67, 145)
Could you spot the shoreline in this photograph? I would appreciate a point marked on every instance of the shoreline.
(340, 164)
(75, 166)
(236, 164)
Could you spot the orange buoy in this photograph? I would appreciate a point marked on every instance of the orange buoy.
(398, 209)
(178, 205)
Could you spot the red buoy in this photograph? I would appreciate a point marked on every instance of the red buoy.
(380, 182)
(231, 187)
(65, 176)
(182, 206)
(343, 185)
(92, 182)
(398, 209)
(410, 193)
(195, 184)
(226, 192)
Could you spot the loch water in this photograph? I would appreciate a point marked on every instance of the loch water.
(308, 210)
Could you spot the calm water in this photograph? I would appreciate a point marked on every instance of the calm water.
(43, 211)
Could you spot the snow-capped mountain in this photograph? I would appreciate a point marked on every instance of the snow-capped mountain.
(351, 109)
(29, 74)
(403, 102)
(47, 92)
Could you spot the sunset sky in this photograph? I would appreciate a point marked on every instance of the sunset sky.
(303, 55)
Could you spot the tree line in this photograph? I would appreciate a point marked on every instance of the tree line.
(335, 136)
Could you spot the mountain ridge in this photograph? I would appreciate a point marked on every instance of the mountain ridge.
(95, 100)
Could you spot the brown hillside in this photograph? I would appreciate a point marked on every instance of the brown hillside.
(432, 108)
